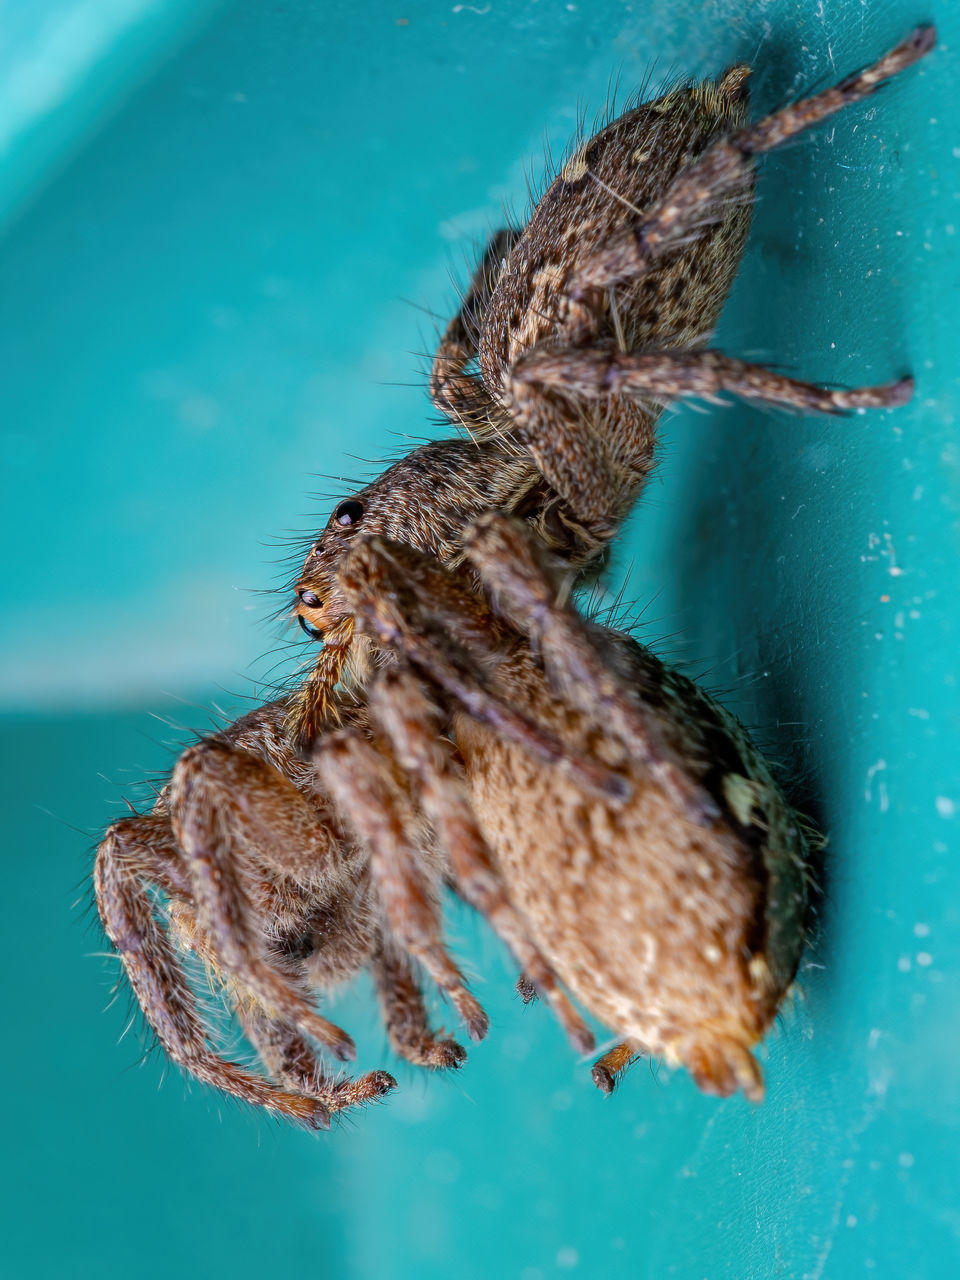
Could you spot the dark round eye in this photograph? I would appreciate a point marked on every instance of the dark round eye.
(312, 632)
(349, 513)
(309, 598)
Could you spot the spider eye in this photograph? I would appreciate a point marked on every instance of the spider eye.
(349, 513)
(312, 632)
(309, 598)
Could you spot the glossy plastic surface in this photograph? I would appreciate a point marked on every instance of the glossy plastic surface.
(205, 311)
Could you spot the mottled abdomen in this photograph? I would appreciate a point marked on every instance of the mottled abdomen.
(681, 938)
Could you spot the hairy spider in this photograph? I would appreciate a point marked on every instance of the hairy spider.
(673, 908)
(614, 824)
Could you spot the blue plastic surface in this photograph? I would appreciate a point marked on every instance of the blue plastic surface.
(207, 309)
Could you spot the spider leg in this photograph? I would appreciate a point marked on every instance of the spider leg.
(135, 852)
(510, 567)
(361, 781)
(593, 372)
(606, 1069)
(289, 1059)
(721, 1065)
(416, 734)
(405, 1016)
(694, 200)
(599, 464)
(526, 989)
(414, 606)
(463, 398)
(223, 803)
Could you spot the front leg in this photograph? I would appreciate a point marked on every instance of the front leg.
(422, 750)
(404, 1014)
(361, 781)
(414, 607)
(291, 1061)
(134, 853)
(231, 814)
(510, 566)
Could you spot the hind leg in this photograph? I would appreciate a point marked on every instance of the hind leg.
(459, 395)
(598, 468)
(694, 201)
(590, 373)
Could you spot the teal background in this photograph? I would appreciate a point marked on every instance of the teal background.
(216, 220)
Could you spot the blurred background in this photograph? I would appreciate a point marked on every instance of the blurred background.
(226, 230)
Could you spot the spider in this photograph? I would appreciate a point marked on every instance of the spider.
(310, 839)
(674, 907)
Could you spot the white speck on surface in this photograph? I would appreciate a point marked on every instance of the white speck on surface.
(921, 713)
(945, 807)
(851, 1219)
(904, 964)
(567, 1257)
(921, 930)
(873, 770)
(905, 1160)
(924, 958)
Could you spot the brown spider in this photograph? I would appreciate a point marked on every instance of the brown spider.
(674, 909)
(639, 847)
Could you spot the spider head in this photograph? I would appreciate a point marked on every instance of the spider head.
(321, 603)
(422, 501)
